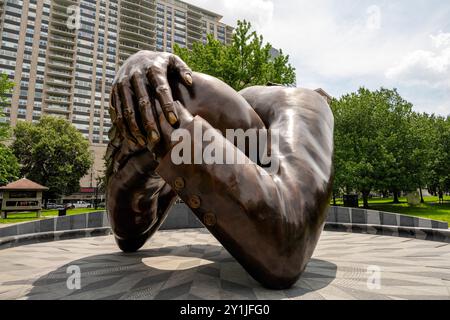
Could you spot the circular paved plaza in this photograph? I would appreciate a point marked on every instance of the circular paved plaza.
(191, 264)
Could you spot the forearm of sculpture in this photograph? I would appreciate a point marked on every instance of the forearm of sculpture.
(269, 223)
(140, 201)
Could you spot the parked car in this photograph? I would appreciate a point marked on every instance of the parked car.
(54, 206)
(102, 205)
(78, 204)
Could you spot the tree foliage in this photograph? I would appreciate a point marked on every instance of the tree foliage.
(9, 166)
(439, 166)
(6, 87)
(246, 62)
(53, 153)
(382, 145)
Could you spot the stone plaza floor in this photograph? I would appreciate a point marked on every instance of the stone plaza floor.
(191, 264)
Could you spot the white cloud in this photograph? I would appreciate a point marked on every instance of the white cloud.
(317, 35)
(425, 67)
(373, 18)
(440, 40)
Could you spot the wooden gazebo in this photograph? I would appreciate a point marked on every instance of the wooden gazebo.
(22, 196)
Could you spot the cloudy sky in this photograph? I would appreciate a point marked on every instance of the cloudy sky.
(340, 45)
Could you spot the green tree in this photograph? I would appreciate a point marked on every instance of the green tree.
(371, 147)
(53, 153)
(343, 180)
(400, 140)
(6, 87)
(422, 139)
(439, 173)
(246, 62)
(9, 166)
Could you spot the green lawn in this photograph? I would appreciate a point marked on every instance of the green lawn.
(31, 216)
(429, 210)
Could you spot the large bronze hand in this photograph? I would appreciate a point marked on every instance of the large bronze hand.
(142, 77)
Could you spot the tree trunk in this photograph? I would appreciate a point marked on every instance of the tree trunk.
(366, 199)
(334, 199)
(421, 195)
(396, 197)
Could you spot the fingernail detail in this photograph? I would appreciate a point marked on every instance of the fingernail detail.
(172, 118)
(141, 140)
(188, 79)
(154, 137)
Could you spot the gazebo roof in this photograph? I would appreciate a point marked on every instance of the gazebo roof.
(23, 184)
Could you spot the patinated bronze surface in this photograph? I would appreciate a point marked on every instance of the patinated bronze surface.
(269, 222)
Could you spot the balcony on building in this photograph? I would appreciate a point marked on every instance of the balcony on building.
(58, 73)
(138, 11)
(58, 91)
(59, 82)
(56, 109)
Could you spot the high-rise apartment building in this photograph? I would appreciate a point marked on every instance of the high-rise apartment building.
(62, 54)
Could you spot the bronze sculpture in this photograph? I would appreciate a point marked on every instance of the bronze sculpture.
(269, 222)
